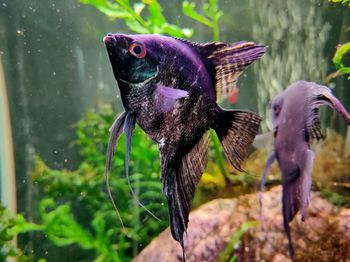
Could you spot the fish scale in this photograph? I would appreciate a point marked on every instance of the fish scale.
(170, 87)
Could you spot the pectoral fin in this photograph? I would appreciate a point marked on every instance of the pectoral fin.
(268, 164)
(166, 97)
(263, 140)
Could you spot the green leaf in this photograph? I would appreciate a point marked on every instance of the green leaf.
(125, 2)
(138, 8)
(108, 8)
(83, 187)
(176, 31)
(234, 240)
(136, 26)
(339, 54)
(187, 32)
(340, 1)
(189, 10)
(155, 11)
(61, 226)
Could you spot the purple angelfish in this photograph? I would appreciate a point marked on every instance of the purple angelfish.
(169, 87)
(296, 121)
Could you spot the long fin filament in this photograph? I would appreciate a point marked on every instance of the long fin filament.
(113, 203)
(129, 126)
(114, 134)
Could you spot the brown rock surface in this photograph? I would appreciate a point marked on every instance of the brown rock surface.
(325, 236)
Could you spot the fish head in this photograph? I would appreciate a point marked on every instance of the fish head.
(276, 108)
(133, 59)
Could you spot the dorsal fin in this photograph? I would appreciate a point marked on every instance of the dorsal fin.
(225, 62)
(314, 126)
(320, 95)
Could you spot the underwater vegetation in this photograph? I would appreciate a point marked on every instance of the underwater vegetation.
(72, 195)
(7, 245)
(340, 1)
(339, 55)
(133, 16)
(146, 17)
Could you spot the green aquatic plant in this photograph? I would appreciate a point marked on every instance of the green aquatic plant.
(7, 247)
(96, 226)
(338, 57)
(344, 2)
(210, 17)
(63, 229)
(135, 19)
(227, 254)
(9, 228)
(155, 22)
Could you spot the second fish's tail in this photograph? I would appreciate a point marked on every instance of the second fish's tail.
(236, 130)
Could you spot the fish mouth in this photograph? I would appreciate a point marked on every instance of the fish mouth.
(142, 83)
(110, 40)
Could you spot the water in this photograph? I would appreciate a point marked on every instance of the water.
(57, 69)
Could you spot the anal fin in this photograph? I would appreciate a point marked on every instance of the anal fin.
(181, 170)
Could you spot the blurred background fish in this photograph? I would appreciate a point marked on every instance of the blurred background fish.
(296, 121)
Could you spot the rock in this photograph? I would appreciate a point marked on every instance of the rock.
(324, 236)
(281, 258)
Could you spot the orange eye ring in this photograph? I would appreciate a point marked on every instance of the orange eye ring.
(137, 49)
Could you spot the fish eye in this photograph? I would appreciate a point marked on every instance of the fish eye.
(276, 109)
(137, 49)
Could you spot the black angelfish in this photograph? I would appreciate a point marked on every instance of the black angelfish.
(296, 121)
(169, 87)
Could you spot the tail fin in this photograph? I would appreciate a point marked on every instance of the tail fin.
(296, 190)
(236, 130)
(290, 206)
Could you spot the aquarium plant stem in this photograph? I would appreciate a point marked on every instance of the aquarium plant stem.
(133, 14)
(220, 159)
